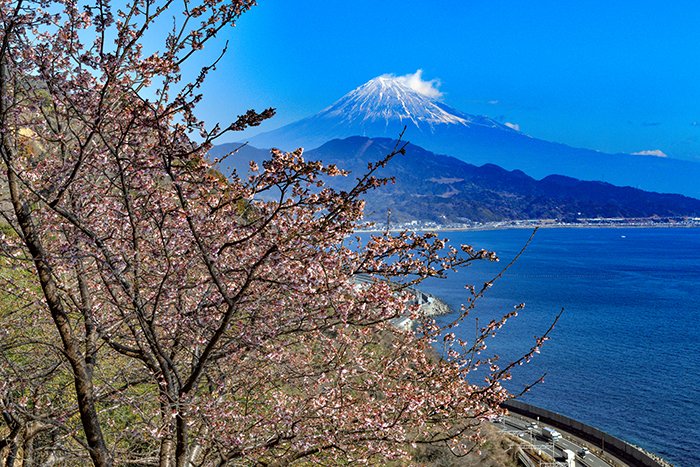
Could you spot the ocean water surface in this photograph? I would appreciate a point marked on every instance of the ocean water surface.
(625, 355)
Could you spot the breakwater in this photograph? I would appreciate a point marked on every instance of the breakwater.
(429, 304)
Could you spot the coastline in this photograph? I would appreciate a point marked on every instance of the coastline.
(605, 223)
(602, 443)
(609, 317)
(428, 305)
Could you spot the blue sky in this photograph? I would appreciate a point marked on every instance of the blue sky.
(617, 76)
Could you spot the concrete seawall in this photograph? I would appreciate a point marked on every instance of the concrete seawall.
(615, 446)
(429, 304)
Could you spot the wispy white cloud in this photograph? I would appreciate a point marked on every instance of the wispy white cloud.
(416, 82)
(514, 126)
(651, 152)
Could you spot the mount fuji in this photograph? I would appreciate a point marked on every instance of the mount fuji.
(380, 107)
(383, 106)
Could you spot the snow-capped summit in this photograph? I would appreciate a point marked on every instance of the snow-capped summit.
(387, 98)
(380, 107)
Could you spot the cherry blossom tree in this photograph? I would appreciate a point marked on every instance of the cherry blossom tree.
(160, 314)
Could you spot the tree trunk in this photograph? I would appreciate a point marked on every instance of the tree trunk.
(181, 448)
(28, 451)
(81, 375)
(166, 452)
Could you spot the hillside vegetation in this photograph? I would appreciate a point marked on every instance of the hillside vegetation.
(443, 189)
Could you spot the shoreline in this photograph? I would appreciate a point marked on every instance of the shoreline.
(538, 224)
(600, 441)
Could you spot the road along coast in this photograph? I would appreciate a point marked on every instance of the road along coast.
(592, 447)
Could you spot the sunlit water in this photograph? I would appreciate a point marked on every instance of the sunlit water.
(625, 356)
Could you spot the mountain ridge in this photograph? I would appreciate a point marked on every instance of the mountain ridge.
(474, 139)
(439, 188)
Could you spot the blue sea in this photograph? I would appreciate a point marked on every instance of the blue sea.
(625, 355)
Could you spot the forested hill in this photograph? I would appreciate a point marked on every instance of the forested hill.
(443, 189)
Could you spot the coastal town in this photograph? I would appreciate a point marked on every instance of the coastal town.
(607, 222)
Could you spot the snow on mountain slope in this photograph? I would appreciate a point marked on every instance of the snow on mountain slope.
(380, 107)
(388, 98)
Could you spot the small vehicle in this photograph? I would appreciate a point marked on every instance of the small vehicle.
(532, 425)
(550, 433)
(583, 452)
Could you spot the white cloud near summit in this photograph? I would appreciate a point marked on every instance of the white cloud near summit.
(416, 82)
(651, 152)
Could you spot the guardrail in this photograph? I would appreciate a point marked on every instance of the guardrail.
(615, 446)
(526, 461)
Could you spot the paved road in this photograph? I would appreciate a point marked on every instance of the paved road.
(533, 436)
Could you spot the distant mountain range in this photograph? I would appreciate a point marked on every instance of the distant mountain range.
(444, 189)
(384, 105)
